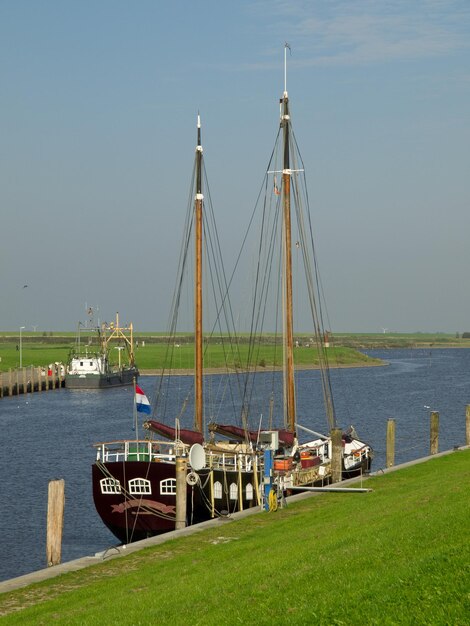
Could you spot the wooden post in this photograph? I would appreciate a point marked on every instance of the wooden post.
(53, 376)
(17, 372)
(467, 425)
(181, 472)
(25, 380)
(390, 458)
(39, 379)
(55, 521)
(336, 455)
(32, 379)
(10, 383)
(434, 432)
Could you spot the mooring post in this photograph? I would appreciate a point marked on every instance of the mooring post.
(25, 380)
(55, 521)
(181, 492)
(336, 455)
(467, 425)
(10, 383)
(434, 432)
(390, 458)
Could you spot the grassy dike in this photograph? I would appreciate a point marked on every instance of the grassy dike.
(397, 555)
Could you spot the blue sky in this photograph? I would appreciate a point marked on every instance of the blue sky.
(98, 105)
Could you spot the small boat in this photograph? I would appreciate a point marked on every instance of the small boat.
(93, 364)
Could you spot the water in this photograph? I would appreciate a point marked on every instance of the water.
(49, 435)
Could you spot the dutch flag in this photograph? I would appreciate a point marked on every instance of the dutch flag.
(141, 401)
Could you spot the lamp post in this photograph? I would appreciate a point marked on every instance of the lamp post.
(119, 348)
(21, 348)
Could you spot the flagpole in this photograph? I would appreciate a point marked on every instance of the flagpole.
(135, 414)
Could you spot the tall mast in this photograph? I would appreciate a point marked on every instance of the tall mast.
(198, 285)
(289, 387)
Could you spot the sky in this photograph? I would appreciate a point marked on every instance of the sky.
(98, 107)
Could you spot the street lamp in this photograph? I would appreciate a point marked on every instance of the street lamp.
(21, 348)
(119, 348)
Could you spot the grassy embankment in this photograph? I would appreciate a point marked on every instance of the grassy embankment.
(397, 555)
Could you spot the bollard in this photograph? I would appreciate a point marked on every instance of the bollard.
(55, 521)
(336, 455)
(181, 492)
(434, 432)
(390, 457)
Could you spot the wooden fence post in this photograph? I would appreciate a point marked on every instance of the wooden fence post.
(55, 521)
(434, 432)
(336, 455)
(10, 383)
(390, 458)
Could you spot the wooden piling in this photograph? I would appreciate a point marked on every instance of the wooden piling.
(434, 432)
(181, 472)
(390, 455)
(336, 455)
(55, 521)
(10, 383)
(25, 380)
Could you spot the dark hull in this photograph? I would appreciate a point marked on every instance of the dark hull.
(101, 381)
(134, 517)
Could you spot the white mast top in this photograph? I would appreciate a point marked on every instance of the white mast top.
(286, 45)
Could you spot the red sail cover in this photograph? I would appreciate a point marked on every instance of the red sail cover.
(286, 438)
(185, 435)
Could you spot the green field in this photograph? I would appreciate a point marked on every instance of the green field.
(397, 555)
(40, 349)
(156, 354)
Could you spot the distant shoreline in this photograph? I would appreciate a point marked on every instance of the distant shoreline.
(222, 370)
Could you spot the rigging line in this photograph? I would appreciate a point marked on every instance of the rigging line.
(183, 258)
(225, 299)
(268, 270)
(314, 302)
(211, 237)
(264, 244)
(213, 272)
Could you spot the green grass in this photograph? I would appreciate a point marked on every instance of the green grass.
(397, 555)
(157, 356)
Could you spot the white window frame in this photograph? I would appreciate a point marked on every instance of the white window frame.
(140, 487)
(168, 487)
(217, 490)
(233, 491)
(109, 486)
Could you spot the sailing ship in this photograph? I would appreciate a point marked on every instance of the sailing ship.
(93, 365)
(135, 480)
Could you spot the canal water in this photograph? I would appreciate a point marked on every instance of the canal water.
(49, 435)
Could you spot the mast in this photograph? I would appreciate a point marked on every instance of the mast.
(289, 387)
(198, 285)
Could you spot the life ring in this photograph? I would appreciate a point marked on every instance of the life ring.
(192, 479)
